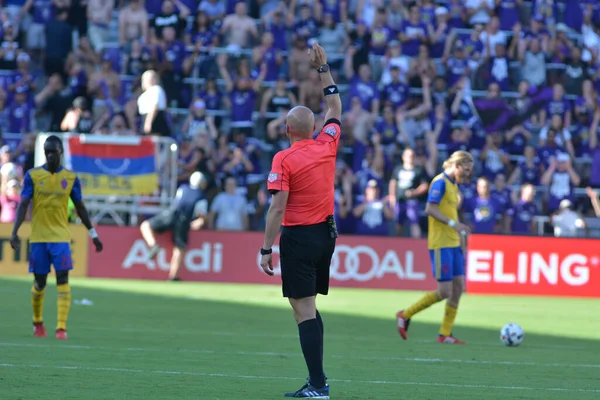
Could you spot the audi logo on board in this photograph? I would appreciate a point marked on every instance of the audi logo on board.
(362, 264)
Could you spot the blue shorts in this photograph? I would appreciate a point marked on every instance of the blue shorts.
(44, 254)
(447, 263)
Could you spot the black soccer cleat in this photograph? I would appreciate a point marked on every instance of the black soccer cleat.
(308, 391)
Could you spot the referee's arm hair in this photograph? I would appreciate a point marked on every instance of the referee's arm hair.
(332, 100)
(274, 217)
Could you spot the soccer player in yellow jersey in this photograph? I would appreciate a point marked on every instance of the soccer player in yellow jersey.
(446, 239)
(49, 187)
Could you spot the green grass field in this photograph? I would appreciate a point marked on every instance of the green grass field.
(159, 340)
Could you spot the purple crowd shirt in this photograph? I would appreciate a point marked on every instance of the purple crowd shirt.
(522, 214)
(485, 213)
(396, 93)
(242, 105)
(373, 221)
(411, 47)
(508, 13)
(561, 188)
(366, 91)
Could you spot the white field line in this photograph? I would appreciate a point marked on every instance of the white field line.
(287, 378)
(280, 354)
(295, 336)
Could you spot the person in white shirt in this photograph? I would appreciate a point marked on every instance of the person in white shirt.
(394, 58)
(228, 211)
(152, 106)
(492, 36)
(479, 11)
(567, 223)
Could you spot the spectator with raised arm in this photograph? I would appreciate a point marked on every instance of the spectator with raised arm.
(479, 11)
(508, 12)
(413, 32)
(561, 179)
(373, 212)
(594, 200)
(595, 151)
(173, 14)
(239, 27)
(268, 54)
(243, 92)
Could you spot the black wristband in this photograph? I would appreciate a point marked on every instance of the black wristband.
(330, 90)
(264, 252)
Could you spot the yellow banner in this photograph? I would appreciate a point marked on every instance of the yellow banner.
(17, 264)
(93, 184)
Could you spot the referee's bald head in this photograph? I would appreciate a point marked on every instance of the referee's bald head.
(300, 123)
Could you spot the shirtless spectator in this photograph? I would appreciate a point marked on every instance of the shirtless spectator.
(133, 22)
(299, 64)
(310, 93)
(239, 27)
(99, 14)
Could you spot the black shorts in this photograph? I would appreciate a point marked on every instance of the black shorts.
(171, 221)
(305, 256)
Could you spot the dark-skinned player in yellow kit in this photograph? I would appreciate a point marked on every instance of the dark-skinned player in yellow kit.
(49, 188)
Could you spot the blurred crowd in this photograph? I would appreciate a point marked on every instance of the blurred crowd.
(515, 82)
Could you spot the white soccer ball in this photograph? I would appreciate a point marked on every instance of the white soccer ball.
(512, 335)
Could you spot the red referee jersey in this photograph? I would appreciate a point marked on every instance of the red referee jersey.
(307, 170)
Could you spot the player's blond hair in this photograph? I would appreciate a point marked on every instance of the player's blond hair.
(458, 157)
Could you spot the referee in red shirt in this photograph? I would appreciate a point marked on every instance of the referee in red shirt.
(301, 182)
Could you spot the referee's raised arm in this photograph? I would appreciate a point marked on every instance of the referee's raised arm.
(318, 59)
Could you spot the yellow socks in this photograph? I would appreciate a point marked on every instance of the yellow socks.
(37, 303)
(64, 304)
(449, 315)
(426, 301)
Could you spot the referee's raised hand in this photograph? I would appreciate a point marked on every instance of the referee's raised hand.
(317, 55)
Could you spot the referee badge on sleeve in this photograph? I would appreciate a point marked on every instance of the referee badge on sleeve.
(330, 130)
(273, 176)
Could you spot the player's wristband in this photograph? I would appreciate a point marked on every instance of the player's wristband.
(93, 234)
(330, 91)
(451, 223)
(264, 252)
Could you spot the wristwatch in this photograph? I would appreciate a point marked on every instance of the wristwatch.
(323, 68)
(264, 252)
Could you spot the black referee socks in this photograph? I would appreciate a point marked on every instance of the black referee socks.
(320, 321)
(311, 341)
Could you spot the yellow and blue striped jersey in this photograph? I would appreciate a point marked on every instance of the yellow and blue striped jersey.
(443, 191)
(50, 193)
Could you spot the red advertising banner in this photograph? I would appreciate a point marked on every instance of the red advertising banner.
(495, 264)
(533, 266)
(360, 262)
